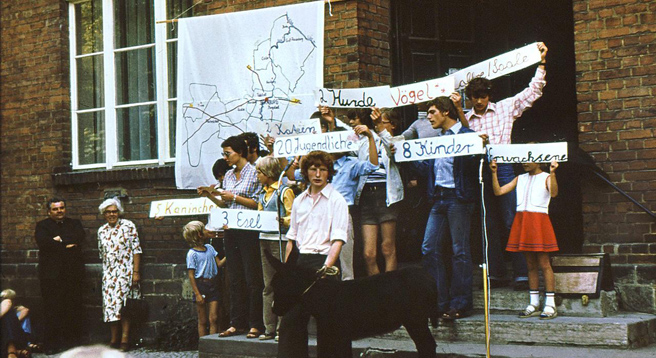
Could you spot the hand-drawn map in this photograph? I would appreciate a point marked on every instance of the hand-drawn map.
(237, 69)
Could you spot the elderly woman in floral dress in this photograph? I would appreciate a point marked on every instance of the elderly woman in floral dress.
(120, 251)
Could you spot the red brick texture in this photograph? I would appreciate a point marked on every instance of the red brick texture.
(36, 127)
(615, 43)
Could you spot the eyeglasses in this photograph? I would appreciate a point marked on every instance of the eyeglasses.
(111, 211)
(227, 154)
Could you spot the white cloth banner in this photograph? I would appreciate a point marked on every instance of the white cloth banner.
(244, 219)
(422, 91)
(180, 207)
(528, 153)
(237, 69)
(286, 129)
(354, 97)
(332, 142)
(439, 147)
(498, 66)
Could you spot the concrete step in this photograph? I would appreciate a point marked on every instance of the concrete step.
(624, 335)
(505, 300)
(629, 330)
(240, 347)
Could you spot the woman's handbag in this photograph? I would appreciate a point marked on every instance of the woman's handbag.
(135, 307)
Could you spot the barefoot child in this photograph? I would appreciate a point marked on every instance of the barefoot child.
(203, 267)
(531, 231)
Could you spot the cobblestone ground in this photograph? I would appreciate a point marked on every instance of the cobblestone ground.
(139, 353)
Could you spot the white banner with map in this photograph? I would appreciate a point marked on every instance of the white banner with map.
(238, 69)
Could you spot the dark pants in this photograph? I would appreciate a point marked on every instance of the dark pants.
(293, 327)
(63, 312)
(500, 213)
(244, 267)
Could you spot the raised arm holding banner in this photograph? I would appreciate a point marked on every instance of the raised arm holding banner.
(527, 153)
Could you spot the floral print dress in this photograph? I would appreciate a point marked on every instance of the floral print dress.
(117, 246)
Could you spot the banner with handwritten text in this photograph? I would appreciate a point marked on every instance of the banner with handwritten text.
(528, 153)
(498, 66)
(354, 97)
(438, 147)
(333, 142)
(291, 128)
(180, 207)
(422, 91)
(244, 219)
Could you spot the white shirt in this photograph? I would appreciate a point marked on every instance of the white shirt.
(316, 224)
(532, 193)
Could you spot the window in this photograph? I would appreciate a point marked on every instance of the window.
(123, 81)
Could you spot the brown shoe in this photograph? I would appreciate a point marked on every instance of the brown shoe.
(232, 331)
(254, 333)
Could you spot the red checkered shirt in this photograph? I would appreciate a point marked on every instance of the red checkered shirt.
(498, 118)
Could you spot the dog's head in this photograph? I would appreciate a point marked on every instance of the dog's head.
(289, 283)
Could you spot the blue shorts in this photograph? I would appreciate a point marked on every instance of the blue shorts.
(208, 288)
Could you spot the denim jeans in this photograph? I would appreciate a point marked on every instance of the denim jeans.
(449, 217)
(499, 216)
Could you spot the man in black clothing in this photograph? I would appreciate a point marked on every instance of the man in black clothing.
(61, 272)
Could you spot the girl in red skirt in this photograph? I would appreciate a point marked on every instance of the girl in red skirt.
(531, 232)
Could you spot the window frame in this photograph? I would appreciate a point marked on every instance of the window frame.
(110, 107)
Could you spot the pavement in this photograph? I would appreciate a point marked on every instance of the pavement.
(137, 353)
(444, 349)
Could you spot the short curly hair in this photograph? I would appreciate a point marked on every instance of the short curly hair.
(478, 87)
(109, 202)
(317, 158)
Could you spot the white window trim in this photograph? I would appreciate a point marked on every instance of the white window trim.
(109, 109)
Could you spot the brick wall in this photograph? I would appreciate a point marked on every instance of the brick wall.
(36, 147)
(616, 86)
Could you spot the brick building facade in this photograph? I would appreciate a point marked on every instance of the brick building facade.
(615, 85)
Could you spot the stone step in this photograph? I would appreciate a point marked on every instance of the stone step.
(239, 347)
(624, 335)
(629, 330)
(506, 300)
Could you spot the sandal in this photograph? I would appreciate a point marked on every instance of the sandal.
(266, 337)
(23, 353)
(530, 311)
(253, 333)
(549, 312)
(232, 331)
(454, 314)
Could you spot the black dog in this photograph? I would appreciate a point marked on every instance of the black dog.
(348, 310)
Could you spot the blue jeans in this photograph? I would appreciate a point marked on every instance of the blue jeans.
(449, 217)
(499, 216)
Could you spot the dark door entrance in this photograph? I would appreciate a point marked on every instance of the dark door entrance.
(430, 38)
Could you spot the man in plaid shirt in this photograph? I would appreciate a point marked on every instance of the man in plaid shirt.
(496, 121)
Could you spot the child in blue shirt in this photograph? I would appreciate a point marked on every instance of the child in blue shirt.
(203, 266)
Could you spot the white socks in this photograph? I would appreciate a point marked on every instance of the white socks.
(550, 299)
(534, 298)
